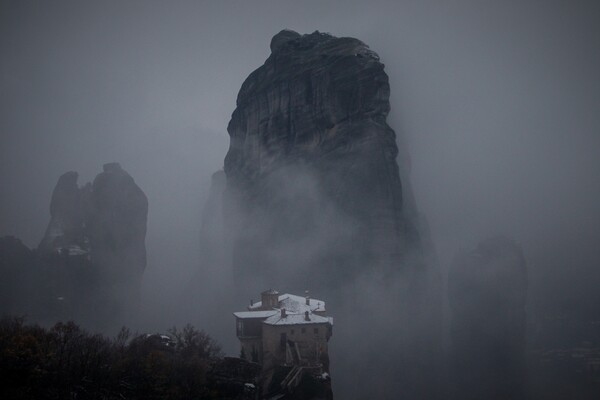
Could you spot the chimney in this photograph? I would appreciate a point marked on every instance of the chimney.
(270, 299)
(307, 297)
(283, 313)
(306, 317)
(251, 302)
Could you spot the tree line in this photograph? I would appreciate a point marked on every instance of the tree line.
(67, 362)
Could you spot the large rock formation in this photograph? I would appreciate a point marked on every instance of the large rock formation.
(311, 167)
(96, 237)
(66, 215)
(487, 290)
(314, 199)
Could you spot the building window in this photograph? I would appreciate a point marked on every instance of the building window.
(316, 330)
(254, 354)
(292, 332)
(303, 330)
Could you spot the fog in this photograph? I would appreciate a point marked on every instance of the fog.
(496, 105)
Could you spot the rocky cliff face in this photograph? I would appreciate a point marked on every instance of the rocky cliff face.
(311, 167)
(97, 236)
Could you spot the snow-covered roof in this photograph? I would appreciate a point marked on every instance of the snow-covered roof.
(255, 314)
(295, 311)
(295, 304)
(297, 319)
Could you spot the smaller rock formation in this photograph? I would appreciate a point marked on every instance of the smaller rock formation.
(95, 241)
(487, 291)
(115, 212)
(66, 216)
(16, 273)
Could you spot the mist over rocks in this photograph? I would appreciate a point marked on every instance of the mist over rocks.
(314, 199)
(116, 214)
(17, 273)
(497, 101)
(96, 238)
(66, 214)
(487, 293)
(309, 138)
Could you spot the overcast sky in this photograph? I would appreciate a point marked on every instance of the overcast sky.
(499, 102)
